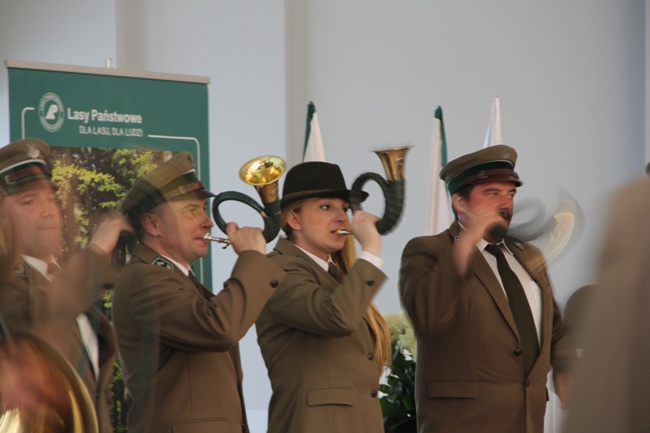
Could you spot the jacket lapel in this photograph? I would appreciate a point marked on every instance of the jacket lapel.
(483, 272)
(486, 276)
(285, 246)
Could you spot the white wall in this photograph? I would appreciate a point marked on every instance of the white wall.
(571, 96)
(570, 76)
(77, 32)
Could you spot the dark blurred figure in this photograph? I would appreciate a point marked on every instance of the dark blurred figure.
(612, 390)
(574, 314)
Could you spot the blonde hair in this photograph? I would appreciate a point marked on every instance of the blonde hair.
(8, 248)
(345, 259)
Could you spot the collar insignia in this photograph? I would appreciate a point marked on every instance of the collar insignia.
(163, 263)
(19, 270)
(518, 244)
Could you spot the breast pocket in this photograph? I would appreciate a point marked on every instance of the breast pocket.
(340, 395)
(205, 426)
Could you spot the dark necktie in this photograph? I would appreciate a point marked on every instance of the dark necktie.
(195, 280)
(333, 270)
(519, 307)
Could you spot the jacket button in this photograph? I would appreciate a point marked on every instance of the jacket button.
(373, 393)
(517, 351)
(370, 282)
(274, 283)
(371, 356)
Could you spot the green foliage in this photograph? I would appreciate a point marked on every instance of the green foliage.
(119, 407)
(117, 386)
(398, 391)
(91, 180)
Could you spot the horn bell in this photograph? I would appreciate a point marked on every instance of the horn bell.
(263, 173)
(40, 392)
(394, 162)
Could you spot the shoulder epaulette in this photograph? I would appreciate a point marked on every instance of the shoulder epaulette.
(160, 261)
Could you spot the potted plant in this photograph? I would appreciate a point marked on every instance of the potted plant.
(398, 384)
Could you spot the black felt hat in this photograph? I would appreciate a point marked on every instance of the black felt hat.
(314, 179)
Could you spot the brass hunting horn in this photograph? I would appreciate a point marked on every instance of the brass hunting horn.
(40, 392)
(393, 160)
(554, 234)
(263, 173)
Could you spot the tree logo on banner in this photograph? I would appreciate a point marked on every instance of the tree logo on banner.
(51, 112)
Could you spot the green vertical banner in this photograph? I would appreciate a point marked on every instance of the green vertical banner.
(107, 127)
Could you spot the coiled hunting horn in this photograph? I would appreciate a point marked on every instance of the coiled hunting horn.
(393, 160)
(559, 230)
(263, 173)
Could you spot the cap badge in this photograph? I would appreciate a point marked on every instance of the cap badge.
(32, 151)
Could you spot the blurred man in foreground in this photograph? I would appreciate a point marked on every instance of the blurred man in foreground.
(42, 296)
(612, 381)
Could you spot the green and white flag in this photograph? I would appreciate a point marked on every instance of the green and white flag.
(440, 216)
(493, 135)
(313, 149)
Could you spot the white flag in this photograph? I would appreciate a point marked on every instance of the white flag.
(313, 149)
(440, 216)
(493, 135)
